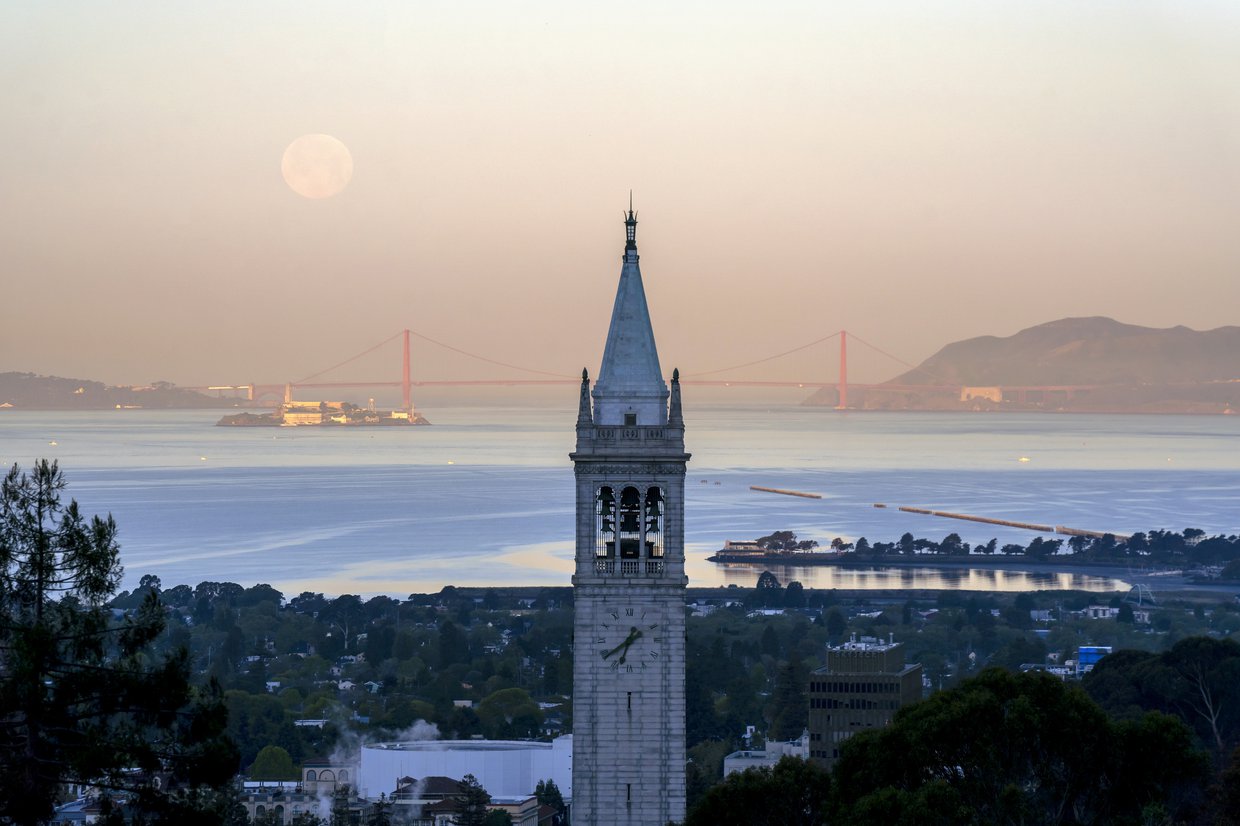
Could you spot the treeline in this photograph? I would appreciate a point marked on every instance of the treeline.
(1190, 547)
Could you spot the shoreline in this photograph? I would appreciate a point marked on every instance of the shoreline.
(1167, 579)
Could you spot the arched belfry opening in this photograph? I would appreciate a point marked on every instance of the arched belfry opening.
(654, 522)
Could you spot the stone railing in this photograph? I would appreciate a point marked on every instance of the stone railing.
(631, 567)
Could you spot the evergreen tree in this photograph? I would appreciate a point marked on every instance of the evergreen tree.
(81, 698)
(472, 801)
(789, 706)
(548, 794)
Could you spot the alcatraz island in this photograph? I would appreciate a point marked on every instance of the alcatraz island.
(325, 414)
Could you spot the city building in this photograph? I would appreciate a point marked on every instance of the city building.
(738, 761)
(629, 581)
(1087, 656)
(860, 687)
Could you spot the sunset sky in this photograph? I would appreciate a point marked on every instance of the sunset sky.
(914, 172)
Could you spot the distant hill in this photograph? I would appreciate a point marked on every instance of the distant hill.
(1126, 368)
(1093, 350)
(32, 392)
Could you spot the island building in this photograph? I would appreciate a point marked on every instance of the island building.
(860, 687)
(629, 581)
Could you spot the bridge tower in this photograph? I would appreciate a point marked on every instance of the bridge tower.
(843, 386)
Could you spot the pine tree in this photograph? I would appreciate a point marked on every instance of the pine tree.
(81, 698)
(472, 801)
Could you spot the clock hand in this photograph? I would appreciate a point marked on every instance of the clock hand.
(629, 640)
(634, 634)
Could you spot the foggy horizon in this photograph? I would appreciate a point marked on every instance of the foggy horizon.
(915, 174)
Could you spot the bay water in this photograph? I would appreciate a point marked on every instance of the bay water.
(485, 495)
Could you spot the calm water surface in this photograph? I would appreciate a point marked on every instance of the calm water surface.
(485, 496)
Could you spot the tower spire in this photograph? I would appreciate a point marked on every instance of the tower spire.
(630, 386)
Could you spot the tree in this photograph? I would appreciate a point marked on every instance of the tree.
(794, 595)
(548, 794)
(837, 624)
(1227, 793)
(1016, 748)
(792, 793)
(789, 709)
(82, 699)
(510, 712)
(472, 802)
(1198, 679)
(768, 592)
(273, 763)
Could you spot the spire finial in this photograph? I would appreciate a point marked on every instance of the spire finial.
(584, 414)
(630, 227)
(675, 418)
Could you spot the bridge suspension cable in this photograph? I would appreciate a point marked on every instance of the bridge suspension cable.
(365, 352)
(883, 352)
(489, 360)
(762, 360)
(442, 344)
(688, 376)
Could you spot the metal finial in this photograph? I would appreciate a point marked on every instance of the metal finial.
(585, 375)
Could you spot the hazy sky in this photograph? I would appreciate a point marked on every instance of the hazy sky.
(914, 172)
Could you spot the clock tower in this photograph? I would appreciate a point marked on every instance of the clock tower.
(629, 583)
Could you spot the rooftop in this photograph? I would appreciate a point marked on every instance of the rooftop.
(461, 745)
(866, 644)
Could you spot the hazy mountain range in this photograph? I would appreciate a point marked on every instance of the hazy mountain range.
(1085, 351)
(32, 392)
(1086, 364)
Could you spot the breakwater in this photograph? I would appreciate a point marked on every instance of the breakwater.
(1008, 523)
(786, 492)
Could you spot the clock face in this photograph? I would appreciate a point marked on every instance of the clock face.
(629, 640)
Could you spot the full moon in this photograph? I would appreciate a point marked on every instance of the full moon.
(317, 166)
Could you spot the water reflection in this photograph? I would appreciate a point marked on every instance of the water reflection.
(880, 577)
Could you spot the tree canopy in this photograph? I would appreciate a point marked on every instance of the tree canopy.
(81, 699)
(792, 793)
(1017, 748)
(472, 803)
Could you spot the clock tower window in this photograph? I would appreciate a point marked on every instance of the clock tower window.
(654, 523)
(605, 546)
(630, 523)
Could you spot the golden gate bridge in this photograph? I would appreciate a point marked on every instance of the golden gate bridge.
(260, 394)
